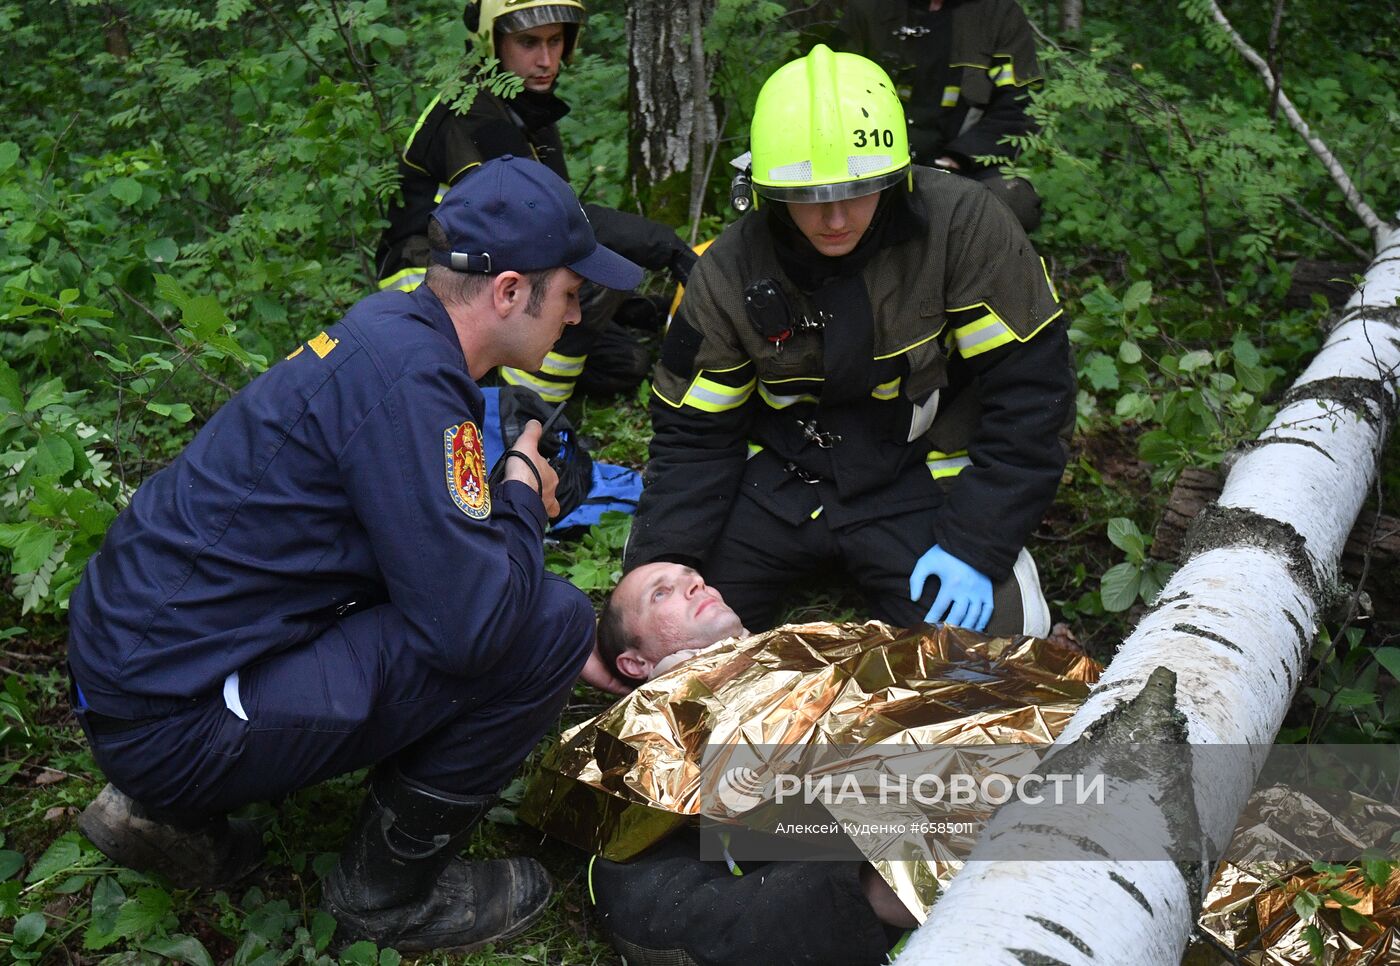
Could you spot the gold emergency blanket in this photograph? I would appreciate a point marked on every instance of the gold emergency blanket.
(626, 779)
(1250, 912)
(1252, 908)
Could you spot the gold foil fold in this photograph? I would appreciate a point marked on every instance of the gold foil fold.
(621, 782)
(1249, 909)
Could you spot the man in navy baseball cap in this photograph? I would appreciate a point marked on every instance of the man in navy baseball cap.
(515, 229)
(329, 578)
(515, 214)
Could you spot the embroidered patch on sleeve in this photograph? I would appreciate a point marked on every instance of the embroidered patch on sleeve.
(323, 344)
(466, 469)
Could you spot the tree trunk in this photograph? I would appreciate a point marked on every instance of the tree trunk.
(114, 32)
(1372, 549)
(1215, 662)
(671, 118)
(1071, 16)
(1332, 280)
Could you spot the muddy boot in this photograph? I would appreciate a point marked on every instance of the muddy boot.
(206, 854)
(399, 882)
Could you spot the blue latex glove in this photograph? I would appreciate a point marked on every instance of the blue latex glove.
(964, 594)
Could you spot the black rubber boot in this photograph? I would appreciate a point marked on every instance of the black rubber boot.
(399, 882)
(204, 854)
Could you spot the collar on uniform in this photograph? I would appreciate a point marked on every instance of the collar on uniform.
(537, 109)
(434, 314)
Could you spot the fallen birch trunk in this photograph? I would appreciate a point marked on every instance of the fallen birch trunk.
(1372, 549)
(1215, 662)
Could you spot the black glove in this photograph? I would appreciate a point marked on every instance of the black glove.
(683, 259)
(649, 243)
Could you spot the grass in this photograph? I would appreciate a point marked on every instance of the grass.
(271, 918)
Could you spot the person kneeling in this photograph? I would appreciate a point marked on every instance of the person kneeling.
(325, 579)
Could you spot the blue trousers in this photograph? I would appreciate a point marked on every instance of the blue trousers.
(357, 695)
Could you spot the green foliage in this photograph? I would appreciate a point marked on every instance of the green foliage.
(595, 141)
(123, 907)
(204, 193)
(749, 41)
(72, 460)
(1174, 206)
(1138, 576)
(1352, 694)
(594, 562)
(20, 734)
(1198, 382)
(622, 432)
(1177, 188)
(1335, 892)
(72, 899)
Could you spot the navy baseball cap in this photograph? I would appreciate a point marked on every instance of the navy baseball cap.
(515, 215)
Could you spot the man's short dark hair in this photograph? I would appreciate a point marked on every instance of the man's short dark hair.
(459, 287)
(614, 637)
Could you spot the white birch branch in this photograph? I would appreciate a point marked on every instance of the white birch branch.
(1368, 217)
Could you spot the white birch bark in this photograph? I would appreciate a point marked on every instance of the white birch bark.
(1071, 16)
(671, 118)
(1216, 661)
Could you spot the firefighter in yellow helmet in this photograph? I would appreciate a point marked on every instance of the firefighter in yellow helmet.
(533, 39)
(869, 370)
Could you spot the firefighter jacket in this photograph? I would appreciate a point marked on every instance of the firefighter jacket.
(349, 475)
(936, 376)
(963, 71)
(445, 145)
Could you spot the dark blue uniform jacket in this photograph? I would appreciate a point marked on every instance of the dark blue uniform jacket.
(327, 481)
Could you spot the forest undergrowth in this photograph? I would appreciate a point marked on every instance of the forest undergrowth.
(185, 195)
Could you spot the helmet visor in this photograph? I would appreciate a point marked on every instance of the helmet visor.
(532, 17)
(840, 191)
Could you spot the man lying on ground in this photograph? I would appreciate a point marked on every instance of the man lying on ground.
(669, 906)
(662, 614)
(658, 616)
